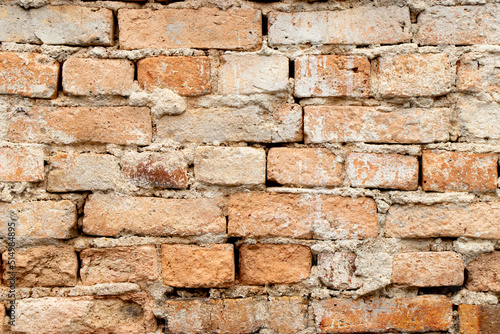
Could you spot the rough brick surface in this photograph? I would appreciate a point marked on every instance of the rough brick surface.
(189, 266)
(478, 119)
(19, 164)
(458, 171)
(336, 270)
(233, 29)
(301, 216)
(479, 319)
(119, 264)
(373, 170)
(483, 272)
(476, 72)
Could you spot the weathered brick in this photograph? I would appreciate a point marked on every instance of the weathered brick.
(232, 166)
(248, 74)
(307, 167)
(19, 164)
(190, 266)
(459, 171)
(476, 72)
(476, 220)
(479, 319)
(28, 74)
(82, 76)
(364, 25)
(205, 28)
(410, 75)
(374, 170)
(39, 220)
(119, 264)
(412, 314)
(68, 125)
(71, 25)
(274, 264)
(188, 76)
(301, 216)
(336, 270)
(477, 25)
(43, 266)
(331, 75)
(478, 119)
(484, 272)
(115, 215)
(368, 124)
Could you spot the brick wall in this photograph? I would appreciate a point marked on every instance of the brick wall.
(250, 167)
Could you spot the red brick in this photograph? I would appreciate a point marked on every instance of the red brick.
(336, 270)
(19, 164)
(484, 272)
(459, 171)
(479, 319)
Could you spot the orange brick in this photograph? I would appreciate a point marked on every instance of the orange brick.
(459, 171)
(479, 319)
(484, 272)
(188, 76)
(189, 266)
(18, 164)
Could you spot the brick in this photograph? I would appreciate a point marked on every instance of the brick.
(459, 171)
(287, 314)
(116, 314)
(476, 72)
(161, 170)
(43, 266)
(336, 270)
(70, 125)
(39, 220)
(339, 124)
(57, 25)
(231, 166)
(224, 124)
(478, 25)
(78, 172)
(114, 215)
(308, 167)
(484, 272)
(478, 119)
(425, 269)
(274, 264)
(412, 314)
(204, 28)
(364, 25)
(187, 76)
(190, 266)
(372, 170)
(331, 75)
(450, 220)
(19, 164)
(301, 216)
(249, 74)
(119, 264)
(479, 319)
(28, 74)
(410, 75)
(82, 76)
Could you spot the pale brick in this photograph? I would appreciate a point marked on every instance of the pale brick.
(307, 167)
(19, 164)
(479, 319)
(459, 171)
(484, 272)
(190, 266)
(107, 314)
(274, 264)
(331, 75)
(287, 314)
(119, 264)
(475, 220)
(301, 216)
(478, 119)
(87, 171)
(410, 75)
(39, 220)
(114, 215)
(205, 28)
(372, 170)
(71, 25)
(82, 76)
(424, 269)
(380, 315)
(69, 125)
(364, 25)
(336, 270)
(250, 73)
(341, 124)
(461, 25)
(231, 166)
(43, 266)
(28, 74)
(478, 72)
(224, 124)
(188, 76)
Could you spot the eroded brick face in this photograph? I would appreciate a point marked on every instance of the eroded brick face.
(478, 319)
(21, 164)
(483, 272)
